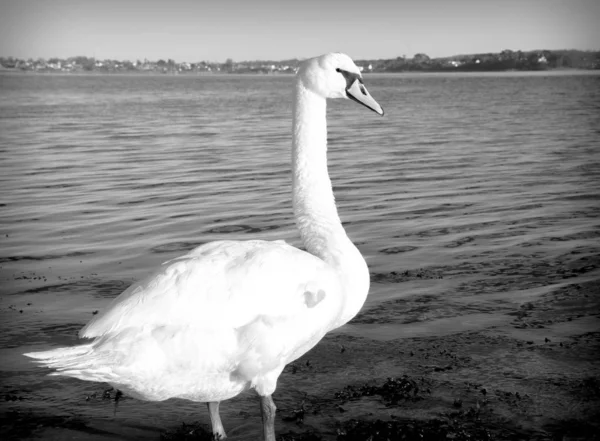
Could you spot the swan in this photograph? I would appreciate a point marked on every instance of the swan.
(230, 315)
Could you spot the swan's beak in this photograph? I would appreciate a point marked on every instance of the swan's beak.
(359, 93)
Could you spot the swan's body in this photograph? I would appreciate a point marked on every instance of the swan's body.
(228, 315)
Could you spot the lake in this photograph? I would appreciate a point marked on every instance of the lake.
(473, 191)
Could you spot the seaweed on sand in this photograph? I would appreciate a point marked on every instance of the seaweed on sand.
(393, 390)
(188, 432)
(432, 430)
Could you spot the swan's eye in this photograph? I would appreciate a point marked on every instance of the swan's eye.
(338, 70)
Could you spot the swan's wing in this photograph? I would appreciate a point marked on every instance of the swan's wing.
(225, 285)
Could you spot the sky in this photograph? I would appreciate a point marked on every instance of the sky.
(212, 30)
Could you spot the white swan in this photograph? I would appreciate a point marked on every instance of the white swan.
(228, 316)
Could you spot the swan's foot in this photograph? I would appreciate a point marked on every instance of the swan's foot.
(218, 431)
(268, 409)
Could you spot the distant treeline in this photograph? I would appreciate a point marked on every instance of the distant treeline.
(505, 60)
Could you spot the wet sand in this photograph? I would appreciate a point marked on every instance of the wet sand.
(519, 363)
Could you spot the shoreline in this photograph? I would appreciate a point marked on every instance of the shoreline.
(513, 72)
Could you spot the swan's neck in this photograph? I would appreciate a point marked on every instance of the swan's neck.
(314, 205)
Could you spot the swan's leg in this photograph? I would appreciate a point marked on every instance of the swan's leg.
(215, 421)
(267, 407)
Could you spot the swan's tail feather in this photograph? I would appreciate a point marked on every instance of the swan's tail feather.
(77, 361)
(59, 353)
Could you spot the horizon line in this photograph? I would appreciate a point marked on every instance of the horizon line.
(306, 58)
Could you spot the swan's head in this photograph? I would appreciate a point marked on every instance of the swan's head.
(336, 76)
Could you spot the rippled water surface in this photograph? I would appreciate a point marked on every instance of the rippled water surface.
(480, 185)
